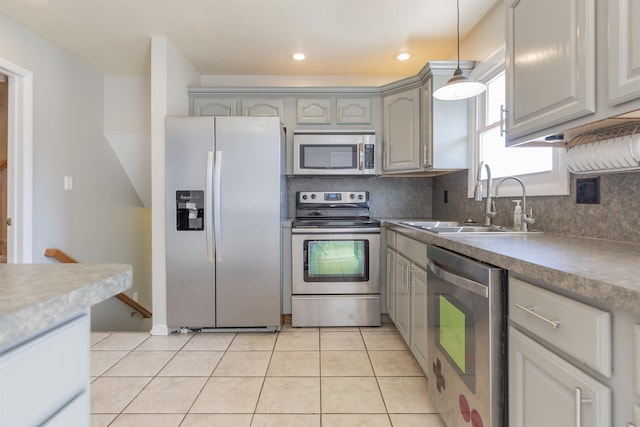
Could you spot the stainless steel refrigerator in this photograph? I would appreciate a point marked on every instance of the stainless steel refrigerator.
(225, 207)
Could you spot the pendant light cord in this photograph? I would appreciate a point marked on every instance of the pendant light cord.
(458, 29)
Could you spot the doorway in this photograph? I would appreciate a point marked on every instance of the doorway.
(17, 223)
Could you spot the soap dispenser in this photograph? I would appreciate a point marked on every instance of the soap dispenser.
(517, 216)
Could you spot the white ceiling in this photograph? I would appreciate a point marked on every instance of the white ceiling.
(254, 37)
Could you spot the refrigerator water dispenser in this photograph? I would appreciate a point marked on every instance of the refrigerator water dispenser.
(189, 210)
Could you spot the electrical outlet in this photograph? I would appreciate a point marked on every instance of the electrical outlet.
(135, 296)
(68, 183)
(588, 190)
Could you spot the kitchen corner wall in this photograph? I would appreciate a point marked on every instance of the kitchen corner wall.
(615, 218)
(390, 197)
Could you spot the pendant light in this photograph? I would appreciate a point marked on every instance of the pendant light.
(459, 86)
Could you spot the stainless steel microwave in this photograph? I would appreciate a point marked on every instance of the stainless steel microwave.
(334, 153)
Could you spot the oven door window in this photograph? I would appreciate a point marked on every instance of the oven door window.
(336, 260)
(455, 336)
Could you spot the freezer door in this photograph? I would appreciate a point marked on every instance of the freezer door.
(190, 266)
(247, 217)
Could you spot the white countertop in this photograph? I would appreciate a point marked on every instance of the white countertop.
(34, 297)
(599, 270)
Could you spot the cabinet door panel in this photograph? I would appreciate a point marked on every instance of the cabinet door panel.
(402, 297)
(543, 387)
(353, 111)
(402, 131)
(624, 60)
(214, 107)
(391, 284)
(550, 64)
(314, 111)
(419, 316)
(263, 107)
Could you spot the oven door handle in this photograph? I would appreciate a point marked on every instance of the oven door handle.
(459, 281)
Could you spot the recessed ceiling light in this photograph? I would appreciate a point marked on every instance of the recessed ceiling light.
(298, 56)
(403, 56)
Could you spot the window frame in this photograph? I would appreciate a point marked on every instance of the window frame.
(552, 183)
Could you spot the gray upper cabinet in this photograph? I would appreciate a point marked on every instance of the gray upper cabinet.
(624, 54)
(550, 63)
(570, 66)
(353, 111)
(423, 135)
(401, 131)
(334, 111)
(263, 107)
(214, 107)
(318, 111)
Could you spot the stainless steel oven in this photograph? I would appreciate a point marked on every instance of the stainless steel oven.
(467, 336)
(335, 261)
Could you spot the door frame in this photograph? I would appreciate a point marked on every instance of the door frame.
(20, 163)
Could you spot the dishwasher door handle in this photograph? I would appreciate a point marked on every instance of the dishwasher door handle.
(461, 282)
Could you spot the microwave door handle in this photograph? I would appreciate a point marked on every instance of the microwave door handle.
(361, 156)
(459, 281)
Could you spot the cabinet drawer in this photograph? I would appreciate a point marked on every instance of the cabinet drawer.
(582, 331)
(76, 413)
(415, 251)
(43, 375)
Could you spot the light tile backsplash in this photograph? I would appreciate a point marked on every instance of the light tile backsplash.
(617, 217)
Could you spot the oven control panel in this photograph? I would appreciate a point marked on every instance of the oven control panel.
(332, 197)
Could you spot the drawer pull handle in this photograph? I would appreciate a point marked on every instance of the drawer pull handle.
(578, 402)
(553, 323)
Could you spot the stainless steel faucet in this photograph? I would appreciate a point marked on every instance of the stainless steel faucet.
(526, 219)
(489, 212)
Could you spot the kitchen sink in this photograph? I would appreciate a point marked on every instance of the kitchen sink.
(453, 227)
(430, 224)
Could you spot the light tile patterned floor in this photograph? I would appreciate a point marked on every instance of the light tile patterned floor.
(311, 377)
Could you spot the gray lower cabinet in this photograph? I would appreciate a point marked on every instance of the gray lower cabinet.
(546, 390)
(45, 380)
(407, 292)
(391, 284)
(418, 324)
(402, 297)
(560, 359)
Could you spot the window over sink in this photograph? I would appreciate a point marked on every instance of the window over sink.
(543, 169)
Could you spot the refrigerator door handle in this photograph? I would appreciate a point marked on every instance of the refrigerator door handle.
(208, 227)
(216, 205)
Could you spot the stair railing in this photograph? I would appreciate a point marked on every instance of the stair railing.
(60, 256)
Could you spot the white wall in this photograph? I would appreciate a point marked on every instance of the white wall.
(101, 219)
(171, 74)
(487, 36)
(127, 127)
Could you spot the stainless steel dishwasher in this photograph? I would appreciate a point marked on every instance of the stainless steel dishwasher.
(467, 336)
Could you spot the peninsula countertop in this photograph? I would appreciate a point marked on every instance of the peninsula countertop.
(600, 270)
(34, 297)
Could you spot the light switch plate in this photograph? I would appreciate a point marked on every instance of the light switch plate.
(68, 183)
